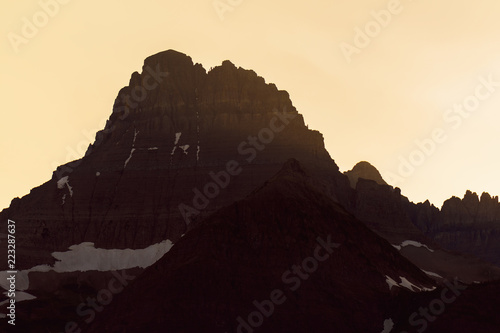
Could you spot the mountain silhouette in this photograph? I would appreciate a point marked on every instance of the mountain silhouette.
(206, 192)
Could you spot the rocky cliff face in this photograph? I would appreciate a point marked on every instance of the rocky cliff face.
(469, 225)
(173, 130)
(383, 208)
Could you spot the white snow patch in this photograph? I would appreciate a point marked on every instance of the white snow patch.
(198, 135)
(412, 243)
(173, 151)
(70, 189)
(153, 148)
(64, 181)
(405, 284)
(85, 257)
(131, 150)
(427, 289)
(432, 274)
(129, 158)
(184, 148)
(388, 325)
(22, 281)
(97, 174)
(177, 137)
(391, 282)
(63, 200)
(20, 296)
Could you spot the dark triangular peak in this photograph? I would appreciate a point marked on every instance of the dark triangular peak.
(286, 239)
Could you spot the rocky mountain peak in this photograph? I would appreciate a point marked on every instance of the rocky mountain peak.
(221, 164)
(172, 130)
(366, 171)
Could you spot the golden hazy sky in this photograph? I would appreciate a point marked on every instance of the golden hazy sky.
(410, 86)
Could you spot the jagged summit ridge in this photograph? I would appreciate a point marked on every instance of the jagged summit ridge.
(180, 96)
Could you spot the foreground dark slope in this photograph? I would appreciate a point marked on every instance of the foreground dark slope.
(474, 311)
(239, 255)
